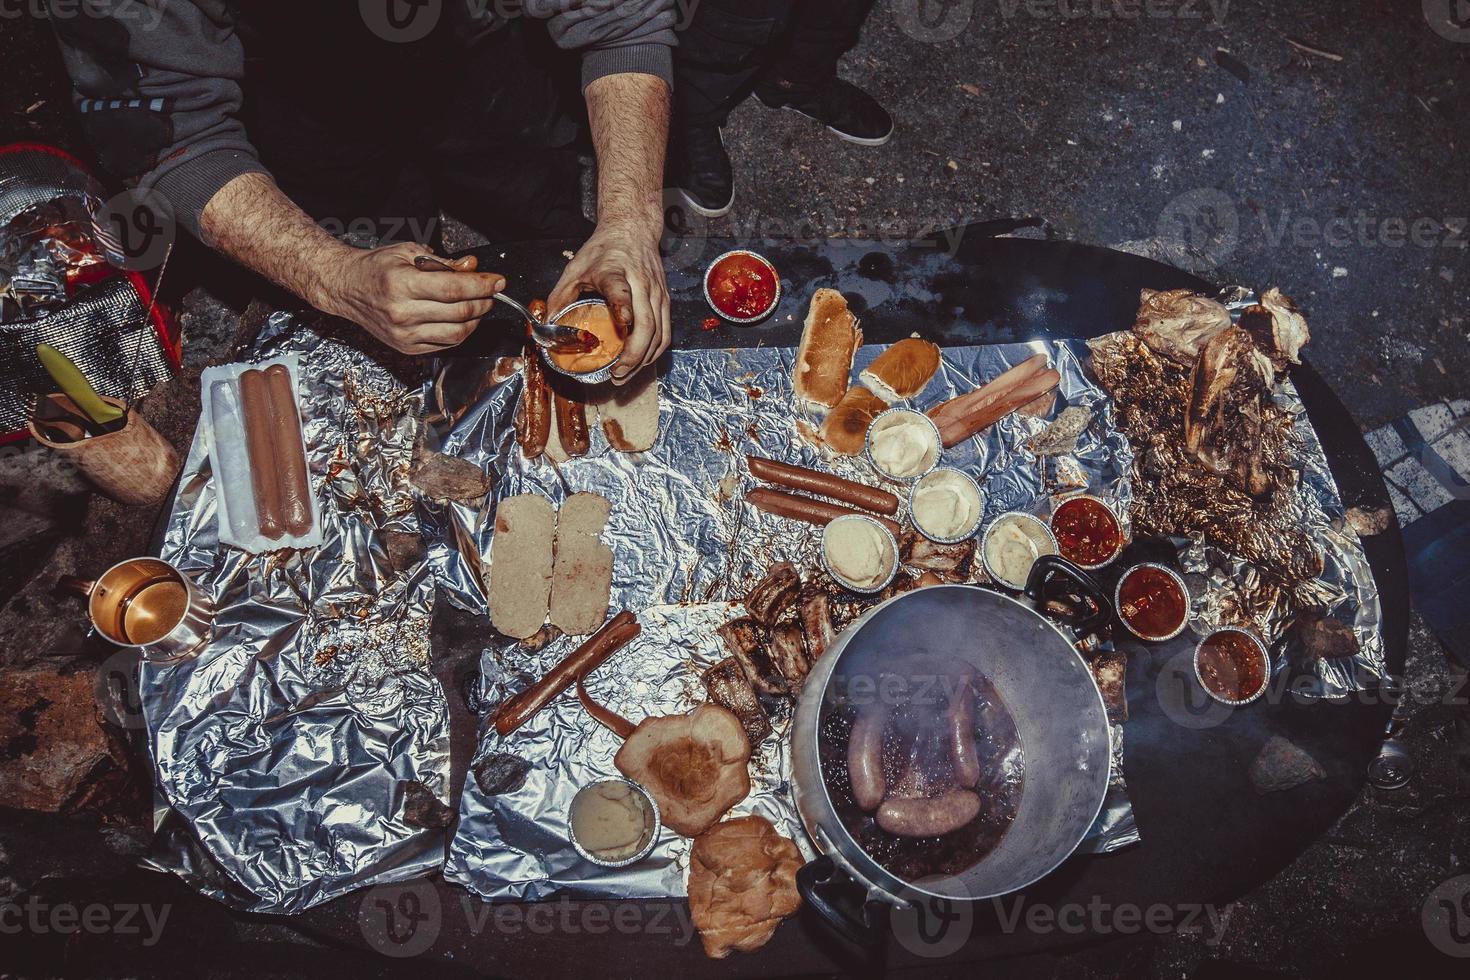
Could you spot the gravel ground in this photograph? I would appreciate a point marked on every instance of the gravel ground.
(1192, 130)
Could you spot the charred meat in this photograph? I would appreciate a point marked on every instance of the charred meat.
(788, 652)
(774, 594)
(814, 609)
(746, 641)
(728, 687)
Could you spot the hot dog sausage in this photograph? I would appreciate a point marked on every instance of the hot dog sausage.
(808, 509)
(286, 442)
(960, 735)
(824, 484)
(571, 426)
(929, 817)
(612, 637)
(865, 756)
(533, 415)
(255, 412)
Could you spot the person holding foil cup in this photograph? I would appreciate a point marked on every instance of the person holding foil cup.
(267, 127)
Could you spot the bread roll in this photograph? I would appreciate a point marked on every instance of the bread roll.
(829, 340)
(520, 564)
(629, 413)
(582, 577)
(903, 370)
(846, 426)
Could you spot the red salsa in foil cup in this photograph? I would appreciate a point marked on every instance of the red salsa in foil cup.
(742, 286)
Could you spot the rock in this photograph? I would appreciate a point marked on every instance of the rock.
(1369, 522)
(405, 549)
(1324, 637)
(1282, 765)
(53, 750)
(421, 808)
(500, 772)
(447, 478)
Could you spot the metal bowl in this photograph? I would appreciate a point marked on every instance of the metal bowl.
(868, 445)
(1118, 601)
(596, 377)
(1122, 534)
(1265, 657)
(643, 851)
(979, 510)
(1021, 515)
(775, 300)
(887, 536)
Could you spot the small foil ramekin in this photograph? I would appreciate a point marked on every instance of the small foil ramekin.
(868, 445)
(1122, 535)
(644, 851)
(775, 299)
(1118, 601)
(596, 377)
(841, 580)
(979, 510)
(985, 540)
(1259, 645)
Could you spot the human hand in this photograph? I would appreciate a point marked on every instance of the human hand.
(410, 310)
(621, 262)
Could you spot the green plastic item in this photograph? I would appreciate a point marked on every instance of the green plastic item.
(76, 387)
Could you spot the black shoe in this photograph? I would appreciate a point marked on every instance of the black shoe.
(841, 106)
(698, 169)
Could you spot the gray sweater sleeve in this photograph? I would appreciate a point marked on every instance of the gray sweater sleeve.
(614, 36)
(157, 87)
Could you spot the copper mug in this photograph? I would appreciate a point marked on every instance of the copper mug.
(149, 604)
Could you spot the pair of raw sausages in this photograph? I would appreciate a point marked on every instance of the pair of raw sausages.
(860, 498)
(273, 441)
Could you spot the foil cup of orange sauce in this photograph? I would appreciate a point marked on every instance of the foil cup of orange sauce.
(594, 366)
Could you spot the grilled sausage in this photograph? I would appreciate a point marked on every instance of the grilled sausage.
(823, 484)
(255, 412)
(865, 756)
(571, 426)
(959, 720)
(285, 430)
(809, 509)
(533, 415)
(929, 817)
(594, 651)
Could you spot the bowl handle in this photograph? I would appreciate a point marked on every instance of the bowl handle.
(846, 917)
(1054, 581)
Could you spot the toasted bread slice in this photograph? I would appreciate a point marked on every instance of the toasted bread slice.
(845, 429)
(903, 370)
(629, 413)
(520, 564)
(829, 340)
(582, 576)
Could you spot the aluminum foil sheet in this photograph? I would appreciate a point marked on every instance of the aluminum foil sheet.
(685, 549)
(287, 747)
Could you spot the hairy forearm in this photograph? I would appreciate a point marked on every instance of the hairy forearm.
(250, 221)
(629, 114)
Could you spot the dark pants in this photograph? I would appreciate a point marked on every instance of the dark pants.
(733, 44)
(375, 139)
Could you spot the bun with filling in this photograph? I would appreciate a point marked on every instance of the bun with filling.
(829, 340)
(903, 370)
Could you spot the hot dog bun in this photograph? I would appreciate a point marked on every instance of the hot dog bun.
(828, 342)
(582, 576)
(846, 427)
(903, 370)
(520, 564)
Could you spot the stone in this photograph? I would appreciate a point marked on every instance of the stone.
(53, 749)
(1283, 765)
(447, 478)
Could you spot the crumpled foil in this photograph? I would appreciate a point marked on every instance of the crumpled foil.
(1236, 593)
(285, 747)
(686, 549)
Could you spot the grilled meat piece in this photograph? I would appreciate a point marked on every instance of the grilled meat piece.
(728, 687)
(788, 652)
(1278, 328)
(746, 641)
(814, 608)
(1178, 323)
(948, 559)
(774, 594)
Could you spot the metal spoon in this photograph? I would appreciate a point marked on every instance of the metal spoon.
(549, 335)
